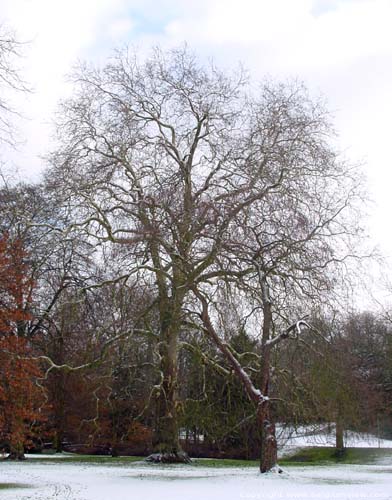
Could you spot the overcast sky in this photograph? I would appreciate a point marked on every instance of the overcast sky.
(339, 48)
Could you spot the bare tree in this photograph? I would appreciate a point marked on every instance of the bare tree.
(205, 184)
(10, 81)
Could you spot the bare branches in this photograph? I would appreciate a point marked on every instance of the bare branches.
(10, 80)
(254, 394)
(292, 332)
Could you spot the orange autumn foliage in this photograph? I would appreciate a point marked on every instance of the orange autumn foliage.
(16, 285)
(20, 396)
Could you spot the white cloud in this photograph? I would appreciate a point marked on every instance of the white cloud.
(57, 34)
(120, 28)
(246, 22)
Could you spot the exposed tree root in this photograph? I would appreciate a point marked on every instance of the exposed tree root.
(15, 456)
(169, 458)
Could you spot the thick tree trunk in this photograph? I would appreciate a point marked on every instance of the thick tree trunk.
(16, 452)
(113, 449)
(166, 429)
(58, 441)
(166, 443)
(269, 448)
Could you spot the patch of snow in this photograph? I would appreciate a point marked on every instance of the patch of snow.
(50, 455)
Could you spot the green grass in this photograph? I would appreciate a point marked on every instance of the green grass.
(107, 460)
(8, 486)
(326, 456)
(223, 462)
(307, 456)
(85, 459)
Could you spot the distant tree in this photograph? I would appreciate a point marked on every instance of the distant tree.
(16, 287)
(368, 337)
(59, 267)
(21, 397)
(326, 378)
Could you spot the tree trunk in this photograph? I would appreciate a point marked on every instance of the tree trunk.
(16, 452)
(58, 391)
(166, 443)
(59, 411)
(114, 450)
(339, 435)
(269, 449)
(58, 441)
(166, 430)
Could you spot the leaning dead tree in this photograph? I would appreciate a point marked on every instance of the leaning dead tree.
(259, 393)
(191, 174)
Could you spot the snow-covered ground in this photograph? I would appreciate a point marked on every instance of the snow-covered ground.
(325, 436)
(138, 481)
(45, 477)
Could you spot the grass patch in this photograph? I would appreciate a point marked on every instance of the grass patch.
(107, 460)
(306, 456)
(223, 462)
(85, 459)
(9, 486)
(327, 456)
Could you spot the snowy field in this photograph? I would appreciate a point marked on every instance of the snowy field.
(325, 436)
(66, 480)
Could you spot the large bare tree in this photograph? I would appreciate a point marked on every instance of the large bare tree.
(206, 183)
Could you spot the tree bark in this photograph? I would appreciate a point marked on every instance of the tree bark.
(339, 434)
(16, 452)
(58, 388)
(59, 409)
(165, 438)
(166, 443)
(269, 448)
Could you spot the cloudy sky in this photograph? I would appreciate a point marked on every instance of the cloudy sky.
(339, 48)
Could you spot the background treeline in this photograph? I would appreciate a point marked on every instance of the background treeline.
(80, 365)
